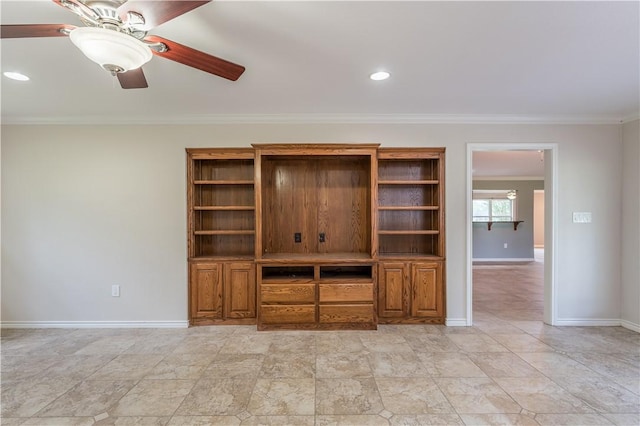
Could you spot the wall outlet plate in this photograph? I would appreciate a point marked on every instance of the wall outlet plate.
(115, 290)
(297, 237)
(581, 217)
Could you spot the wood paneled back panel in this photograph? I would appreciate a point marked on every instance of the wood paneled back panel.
(313, 195)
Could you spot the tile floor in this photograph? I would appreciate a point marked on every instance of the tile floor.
(509, 368)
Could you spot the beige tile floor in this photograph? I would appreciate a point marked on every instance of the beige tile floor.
(509, 368)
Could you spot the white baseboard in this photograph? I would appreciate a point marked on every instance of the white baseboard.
(582, 322)
(455, 322)
(449, 322)
(94, 324)
(630, 325)
(508, 259)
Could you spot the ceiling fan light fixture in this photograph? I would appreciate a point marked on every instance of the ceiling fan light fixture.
(112, 50)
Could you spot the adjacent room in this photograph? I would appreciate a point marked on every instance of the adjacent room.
(508, 235)
(319, 212)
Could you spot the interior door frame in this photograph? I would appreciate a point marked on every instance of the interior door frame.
(550, 218)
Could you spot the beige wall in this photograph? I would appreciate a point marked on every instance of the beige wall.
(85, 207)
(631, 224)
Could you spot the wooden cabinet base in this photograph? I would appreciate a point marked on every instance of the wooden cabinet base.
(317, 293)
(316, 326)
(222, 293)
(410, 320)
(210, 321)
(411, 292)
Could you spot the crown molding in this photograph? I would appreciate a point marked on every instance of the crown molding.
(203, 119)
(629, 118)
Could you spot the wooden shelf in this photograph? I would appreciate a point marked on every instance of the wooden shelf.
(226, 232)
(404, 256)
(222, 258)
(405, 154)
(329, 258)
(408, 182)
(224, 208)
(409, 232)
(223, 182)
(514, 222)
(408, 208)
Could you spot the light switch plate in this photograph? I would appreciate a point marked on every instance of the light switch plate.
(581, 217)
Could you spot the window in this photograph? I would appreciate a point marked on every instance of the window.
(493, 206)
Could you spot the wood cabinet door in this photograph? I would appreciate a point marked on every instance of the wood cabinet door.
(206, 290)
(239, 290)
(426, 295)
(392, 290)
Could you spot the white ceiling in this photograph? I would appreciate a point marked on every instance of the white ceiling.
(450, 61)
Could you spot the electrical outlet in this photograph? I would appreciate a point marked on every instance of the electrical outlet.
(321, 237)
(297, 237)
(115, 290)
(506, 245)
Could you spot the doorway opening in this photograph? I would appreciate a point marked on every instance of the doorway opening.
(498, 289)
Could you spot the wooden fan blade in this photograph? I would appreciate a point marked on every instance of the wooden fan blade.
(132, 79)
(35, 30)
(157, 12)
(197, 59)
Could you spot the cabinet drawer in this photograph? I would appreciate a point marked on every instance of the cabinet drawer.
(287, 314)
(346, 313)
(345, 292)
(288, 293)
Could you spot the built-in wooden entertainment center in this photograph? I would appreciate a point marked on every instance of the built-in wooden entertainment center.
(316, 236)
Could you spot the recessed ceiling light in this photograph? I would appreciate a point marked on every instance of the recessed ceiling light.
(380, 75)
(16, 76)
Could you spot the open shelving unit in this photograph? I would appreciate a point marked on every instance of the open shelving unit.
(221, 242)
(411, 236)
(316, 236)
(410, 202)
(223, 208)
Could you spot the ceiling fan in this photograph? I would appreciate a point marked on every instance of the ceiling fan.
(115, 37)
